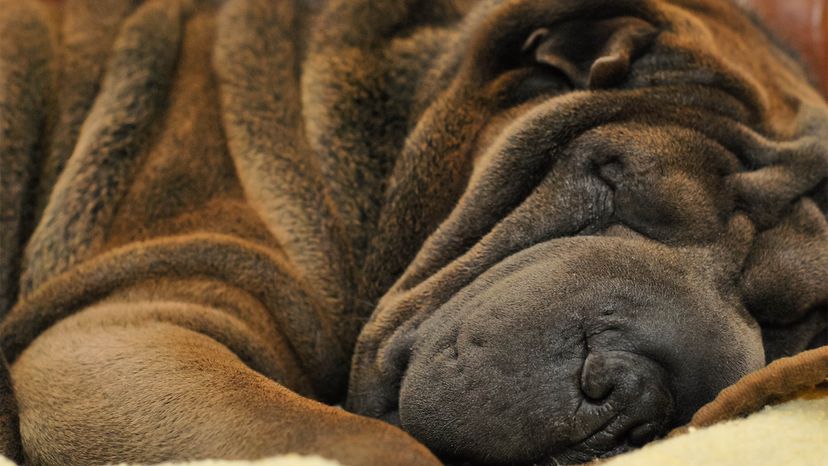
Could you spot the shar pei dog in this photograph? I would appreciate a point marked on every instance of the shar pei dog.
(515, 232)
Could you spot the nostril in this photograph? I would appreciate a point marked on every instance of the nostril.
(627, 401)
(641, 434)
(596, 386)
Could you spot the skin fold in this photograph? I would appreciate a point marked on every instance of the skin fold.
(497, 232)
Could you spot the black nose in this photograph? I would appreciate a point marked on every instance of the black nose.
(634, 388)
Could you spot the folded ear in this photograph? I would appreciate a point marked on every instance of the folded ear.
(785, 280)
(592, 54)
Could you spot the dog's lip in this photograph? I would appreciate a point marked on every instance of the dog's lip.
(575, 455)
(587, 447)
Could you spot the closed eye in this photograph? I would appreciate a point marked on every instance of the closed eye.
(540, 81)
(609, 171)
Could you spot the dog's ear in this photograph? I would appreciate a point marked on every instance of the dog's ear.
(785, 280)
(591, 54)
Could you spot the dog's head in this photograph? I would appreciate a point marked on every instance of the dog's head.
(611, 203)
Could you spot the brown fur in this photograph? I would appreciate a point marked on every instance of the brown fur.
(208, 200)
(226, 291)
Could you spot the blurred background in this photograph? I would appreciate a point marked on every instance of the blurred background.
(804, 25)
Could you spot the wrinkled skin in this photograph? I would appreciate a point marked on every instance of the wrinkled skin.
(624, 247)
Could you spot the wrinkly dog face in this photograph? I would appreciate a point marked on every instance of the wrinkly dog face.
(643, 223)
(575, 346)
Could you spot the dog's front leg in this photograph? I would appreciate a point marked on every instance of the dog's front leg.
(99, 388)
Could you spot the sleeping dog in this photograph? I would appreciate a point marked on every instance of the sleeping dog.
(523, 231)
